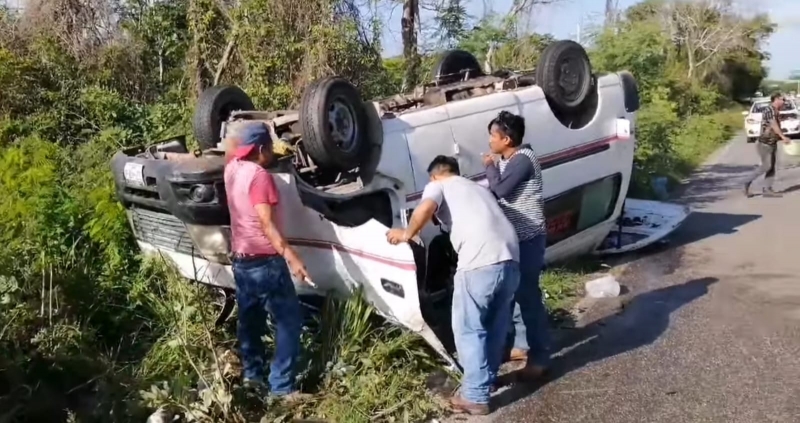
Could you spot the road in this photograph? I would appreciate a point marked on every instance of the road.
(709, 330)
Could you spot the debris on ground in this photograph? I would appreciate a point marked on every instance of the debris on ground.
(604, 287)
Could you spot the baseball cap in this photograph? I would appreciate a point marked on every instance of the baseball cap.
(251, 135)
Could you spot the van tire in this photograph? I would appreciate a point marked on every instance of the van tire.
(452, 63)
(334, 142)
(213, 108)
(565, 75)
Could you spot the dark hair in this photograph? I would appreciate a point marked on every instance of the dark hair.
(775, 96)
(442, 164)
(510, 125)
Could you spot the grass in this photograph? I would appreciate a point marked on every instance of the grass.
(562, 286)
(360, 368)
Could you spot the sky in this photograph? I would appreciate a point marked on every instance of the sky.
(562, 21)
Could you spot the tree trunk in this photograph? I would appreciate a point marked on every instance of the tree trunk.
(410, 52)
(611, 12)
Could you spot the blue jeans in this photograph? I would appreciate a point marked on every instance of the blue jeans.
(530, 327)
(481, 306)
(265, 286)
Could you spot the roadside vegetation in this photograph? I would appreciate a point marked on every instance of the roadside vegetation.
(91, 332)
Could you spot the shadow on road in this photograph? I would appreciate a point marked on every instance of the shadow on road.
(712, 183)
(701, 225)
(641, 322)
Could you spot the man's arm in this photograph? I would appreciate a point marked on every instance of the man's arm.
(432, 198)
(423, 214)
(518, 170)
(265, 217)
(263, 196)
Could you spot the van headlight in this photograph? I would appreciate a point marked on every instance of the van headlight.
(214, 242)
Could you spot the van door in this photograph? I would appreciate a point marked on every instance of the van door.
(428, 135)
(469, 120)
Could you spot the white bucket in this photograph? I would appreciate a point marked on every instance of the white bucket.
(792, 148)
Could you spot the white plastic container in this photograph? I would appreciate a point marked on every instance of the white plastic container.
(605, 287)
(792, 148)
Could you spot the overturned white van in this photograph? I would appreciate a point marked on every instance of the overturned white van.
(349, 169)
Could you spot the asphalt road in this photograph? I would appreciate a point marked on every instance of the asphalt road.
(709, 330)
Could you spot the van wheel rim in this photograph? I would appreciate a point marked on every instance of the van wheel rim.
(342, 124)
(570, 77)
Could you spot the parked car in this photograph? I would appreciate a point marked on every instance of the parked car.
(349, 169)
(788, 117)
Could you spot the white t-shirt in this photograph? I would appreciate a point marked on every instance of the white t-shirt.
(479, 230)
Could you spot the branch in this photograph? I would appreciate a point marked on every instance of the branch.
(226, 56)
(520, 6)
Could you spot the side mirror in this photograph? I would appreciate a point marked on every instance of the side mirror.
(745, 113)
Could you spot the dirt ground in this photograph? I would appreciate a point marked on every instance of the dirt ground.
(709, 328)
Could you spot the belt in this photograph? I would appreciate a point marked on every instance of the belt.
(249, 257)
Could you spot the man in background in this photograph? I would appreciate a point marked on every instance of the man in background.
(767, 147)
(262, 262)
(516, 180)
(486, 276)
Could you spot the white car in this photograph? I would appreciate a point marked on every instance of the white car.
(788, 116)
(350, 169)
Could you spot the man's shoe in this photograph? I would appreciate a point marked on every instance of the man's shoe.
(747, 192)
(460, 405)
(295, 397)
(768, 193)
(518, 355)
(254, 383)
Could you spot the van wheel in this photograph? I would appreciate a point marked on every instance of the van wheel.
(565, 75)
(454, 64)
(334, 124)
(214, 107)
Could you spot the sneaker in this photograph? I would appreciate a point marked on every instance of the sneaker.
(460, 405)
(769, 193)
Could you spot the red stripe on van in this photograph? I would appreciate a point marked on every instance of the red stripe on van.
(327, 245)
(544, 160)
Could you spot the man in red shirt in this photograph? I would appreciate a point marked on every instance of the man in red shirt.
(262, 262)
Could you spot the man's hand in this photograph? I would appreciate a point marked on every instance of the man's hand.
(786, 140)
(296, 266)
(488, 159)
(396, 236)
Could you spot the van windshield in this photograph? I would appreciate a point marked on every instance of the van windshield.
(788, 105)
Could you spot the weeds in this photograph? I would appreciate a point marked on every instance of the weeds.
(561, 286)
(360, 368)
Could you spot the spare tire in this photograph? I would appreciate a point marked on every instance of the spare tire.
(214, 107)
(565, 75)
(334, 124)
(453, 63)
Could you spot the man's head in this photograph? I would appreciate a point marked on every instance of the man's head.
(253, 142)
(777, 100)
(506, 132)
(443, 167)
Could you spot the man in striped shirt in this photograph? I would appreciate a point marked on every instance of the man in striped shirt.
(515, 178)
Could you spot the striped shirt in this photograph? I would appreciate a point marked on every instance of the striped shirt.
(517, 183)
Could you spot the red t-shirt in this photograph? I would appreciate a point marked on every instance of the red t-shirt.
(247, 184)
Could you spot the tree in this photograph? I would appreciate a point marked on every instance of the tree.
(409, 23)
(705, 31)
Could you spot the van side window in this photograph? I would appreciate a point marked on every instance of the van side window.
(581, 208)
(631, 91)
